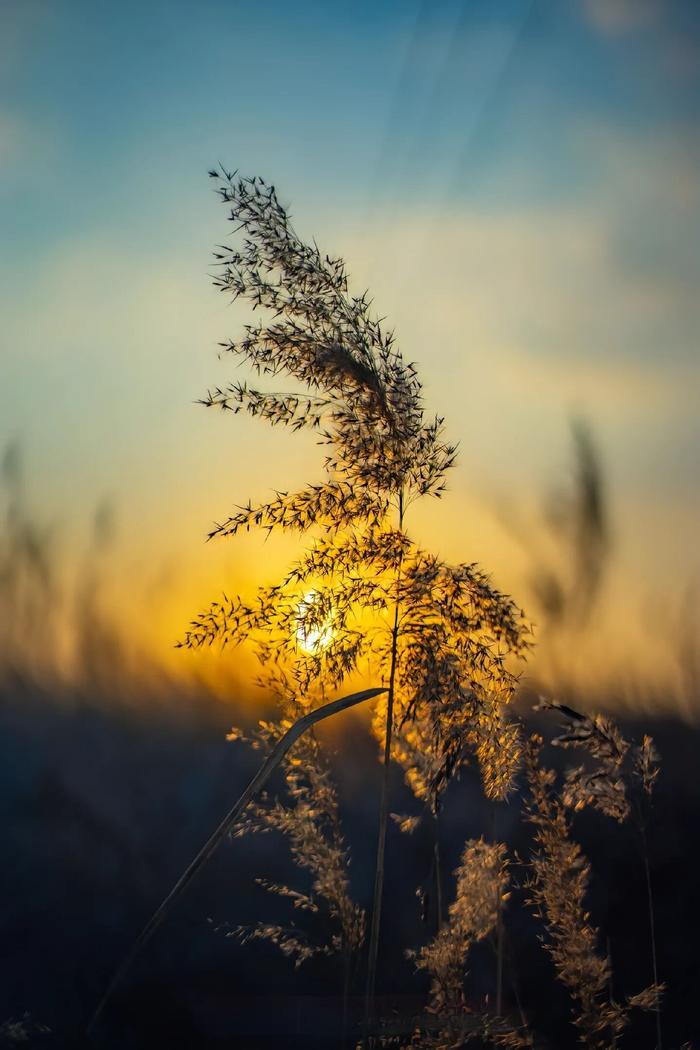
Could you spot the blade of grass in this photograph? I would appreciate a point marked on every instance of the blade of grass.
(254, 787)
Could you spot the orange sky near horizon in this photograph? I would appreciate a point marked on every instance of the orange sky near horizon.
(517, 186)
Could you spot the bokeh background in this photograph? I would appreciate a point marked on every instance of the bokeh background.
(518, 185)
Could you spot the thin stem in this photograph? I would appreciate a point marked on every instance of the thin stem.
(499, 932)
(518, 1000)
(438, 869)
(652, 931)
(513, 977)
(499, 959)
(384, 809)
(641, 827)
(347, 964)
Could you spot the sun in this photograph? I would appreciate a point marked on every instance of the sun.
(312, 639)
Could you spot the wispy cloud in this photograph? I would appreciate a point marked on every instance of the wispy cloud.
(616, 17)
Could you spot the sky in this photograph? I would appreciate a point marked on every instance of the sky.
(518, 185)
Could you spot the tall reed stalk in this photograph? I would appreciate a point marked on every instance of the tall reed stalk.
(652, 938)
(441, 635)
(437, 862)
(384, 804)
(641, 827)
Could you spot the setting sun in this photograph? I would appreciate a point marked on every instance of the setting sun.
(313, 636)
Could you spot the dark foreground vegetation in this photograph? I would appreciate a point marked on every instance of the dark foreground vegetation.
(102, 808)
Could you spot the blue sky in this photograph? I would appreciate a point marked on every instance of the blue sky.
(463, 101)
(518, 183)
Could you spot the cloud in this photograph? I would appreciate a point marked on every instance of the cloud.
(617, 17)
(669, 27)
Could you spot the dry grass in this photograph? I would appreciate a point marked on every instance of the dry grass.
(439, 637)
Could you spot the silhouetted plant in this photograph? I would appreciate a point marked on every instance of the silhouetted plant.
(438, 635)
(620, 785)
(577, 518)
(558, 887)
(614, 777)
(28, 587)
(311, 824)
(481, 887)
(48, 634)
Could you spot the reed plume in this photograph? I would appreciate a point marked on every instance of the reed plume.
(481, 888)
(311, 824)
(620, 785)
(560, 874)
(439, 635)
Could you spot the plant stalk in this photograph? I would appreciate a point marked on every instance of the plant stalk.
(499, 959)
(438, 870)
(652, 933)
(347, 962)
(499, 927)
(641, 828)
(373, 950)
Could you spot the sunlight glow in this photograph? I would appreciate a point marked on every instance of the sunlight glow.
(314, 637)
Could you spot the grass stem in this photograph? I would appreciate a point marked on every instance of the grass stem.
(373, 950)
